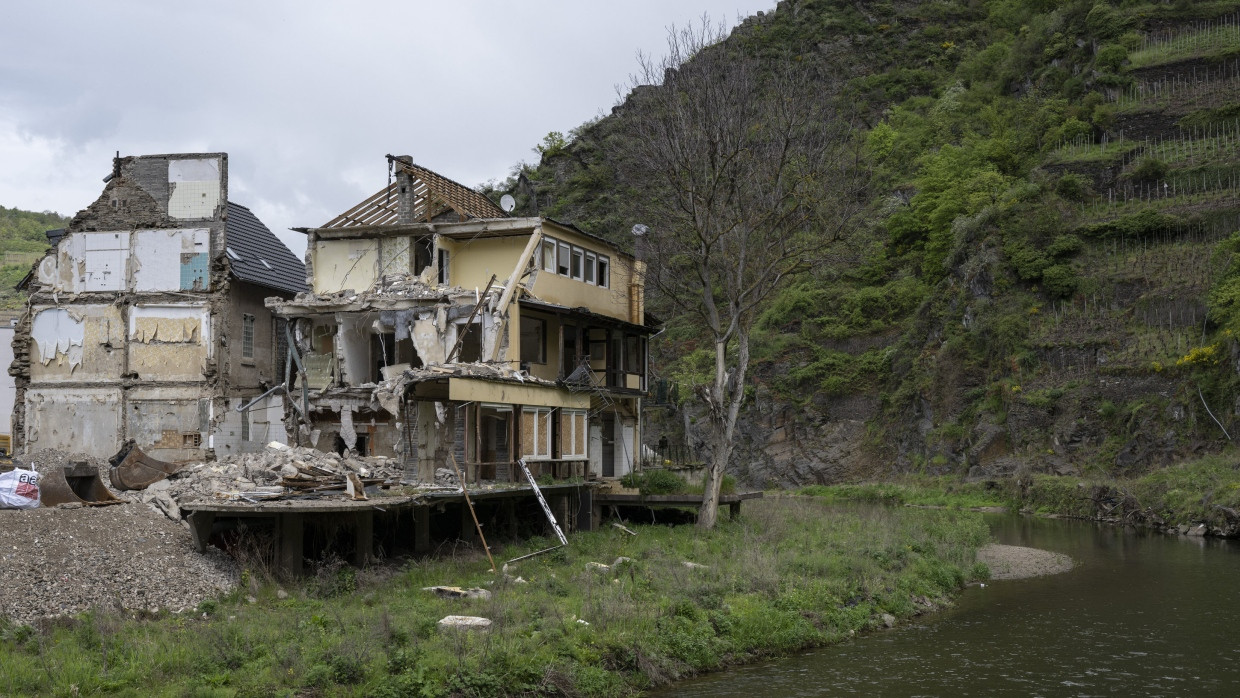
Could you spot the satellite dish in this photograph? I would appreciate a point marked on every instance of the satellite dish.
(507, 203)
(639, 230)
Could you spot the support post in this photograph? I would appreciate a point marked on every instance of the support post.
(200, 524)
(290, 527)
(421, 529)
(585, 509)
(364, 538)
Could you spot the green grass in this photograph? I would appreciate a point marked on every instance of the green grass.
(926, 491)
(791, 573)
(1187, 44)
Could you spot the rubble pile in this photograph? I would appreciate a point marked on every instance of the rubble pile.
(278, 472)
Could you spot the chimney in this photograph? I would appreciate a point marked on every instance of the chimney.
(404, 188)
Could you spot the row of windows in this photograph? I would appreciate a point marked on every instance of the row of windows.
(559, 257)
(538, 430)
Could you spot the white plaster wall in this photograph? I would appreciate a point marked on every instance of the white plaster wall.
(7, 385)
(157, 256)
(194, 185)
(266, 425)
(75, 420)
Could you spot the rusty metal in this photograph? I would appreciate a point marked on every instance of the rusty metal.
(132, 469)
(77, 483)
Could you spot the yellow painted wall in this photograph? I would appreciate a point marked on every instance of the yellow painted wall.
(471, 263)
(342, 264)
(466, 389)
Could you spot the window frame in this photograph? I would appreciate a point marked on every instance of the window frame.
(548, 254)
(542, 339)
(574, 446)
(248, 322)
(590, 267)
(546, 417)
(564, 253)
(603, 277)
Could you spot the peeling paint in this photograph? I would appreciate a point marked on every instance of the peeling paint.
(59, 334)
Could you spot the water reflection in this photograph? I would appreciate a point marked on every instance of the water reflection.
(1142, 613)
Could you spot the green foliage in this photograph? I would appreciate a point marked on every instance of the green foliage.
(791, 574)
(1059, 280)
(1073, 187)
(655, 481)
(23, 239)
(1142, 224)
(1149, 170)
(1111, 57)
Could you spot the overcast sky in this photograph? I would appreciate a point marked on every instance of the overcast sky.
(306, 97)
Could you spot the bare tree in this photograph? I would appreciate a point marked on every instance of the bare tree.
(746, 176)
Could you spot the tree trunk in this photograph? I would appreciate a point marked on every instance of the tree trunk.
(727, 394)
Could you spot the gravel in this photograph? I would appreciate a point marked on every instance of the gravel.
(65, 560)
(1019, 562)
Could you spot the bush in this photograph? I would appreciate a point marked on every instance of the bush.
(655, 482)
(1072, 187)
(1064, 245)
(1111, 57)
(1059, 280)
(1149, 170)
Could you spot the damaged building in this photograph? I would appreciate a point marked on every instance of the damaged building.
(437, 328)
(147, 320)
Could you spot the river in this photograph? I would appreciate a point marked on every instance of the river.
(1142, 614)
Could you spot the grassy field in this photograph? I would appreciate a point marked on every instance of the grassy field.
(791, 573)
(1188, 493)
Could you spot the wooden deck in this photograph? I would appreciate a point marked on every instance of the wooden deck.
(671, 500)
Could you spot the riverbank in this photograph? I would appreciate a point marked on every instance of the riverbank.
(792, 573)
(1200, 497)
(1021, 562)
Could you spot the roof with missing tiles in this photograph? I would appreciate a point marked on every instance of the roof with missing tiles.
(257, 256)
(433, 194)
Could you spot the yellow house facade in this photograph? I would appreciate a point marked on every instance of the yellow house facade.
(437, 328)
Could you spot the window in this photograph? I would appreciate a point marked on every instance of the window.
(562, 262)
(578, 253)
(604, 272)
(591, 267)
(536, 433)
(632, 354)
(443, 267)
(548, 254)
(247, 336)
(245, 425)
(573, 433)
(533, 340)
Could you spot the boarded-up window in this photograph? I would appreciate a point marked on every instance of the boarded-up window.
(536, 433)
(573, 433)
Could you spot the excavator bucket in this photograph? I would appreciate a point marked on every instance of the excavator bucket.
(132, 469)
(77, 483)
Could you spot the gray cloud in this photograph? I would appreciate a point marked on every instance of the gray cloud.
(307, 97)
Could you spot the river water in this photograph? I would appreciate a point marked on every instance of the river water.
(1142, 614)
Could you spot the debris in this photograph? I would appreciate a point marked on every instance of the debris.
(133, 469)
(620, 561)
(447, 592)
(448, 623)
(625, 529)
(598, 567)
(695, 566)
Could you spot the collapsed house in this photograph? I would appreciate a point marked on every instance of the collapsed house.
(147, 322)
(439, 329)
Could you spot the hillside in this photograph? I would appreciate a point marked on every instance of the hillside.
(1048, 274)
(22, 242)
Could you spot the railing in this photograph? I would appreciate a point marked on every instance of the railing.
(668, 456)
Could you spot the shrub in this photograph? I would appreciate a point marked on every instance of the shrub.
(1072, 187)
(1111, 57)
(1149, 170)
(1064, 245)
(1059, 280)
(655, 482)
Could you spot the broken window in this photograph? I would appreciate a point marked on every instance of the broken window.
(533, 340)
(536, 432)
(422, 254)
(471, 345)
(247, 336)
(632, 354)
(443, 267)
(572, 433)
(604, 272)
(382, 354)
(548, 254)
(494, 427)
(280, 335)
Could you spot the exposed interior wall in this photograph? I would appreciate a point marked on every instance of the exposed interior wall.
(259, 370)
(475, 261)
(266, 424)
(344, 264)
(76, 343)
(142, 261)
(169, 423)
(169, 342)
(353, 348)
(74, 420)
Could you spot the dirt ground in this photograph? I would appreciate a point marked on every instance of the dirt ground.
(1019, 562)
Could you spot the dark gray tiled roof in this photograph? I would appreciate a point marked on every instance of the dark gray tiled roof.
(250, 244)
